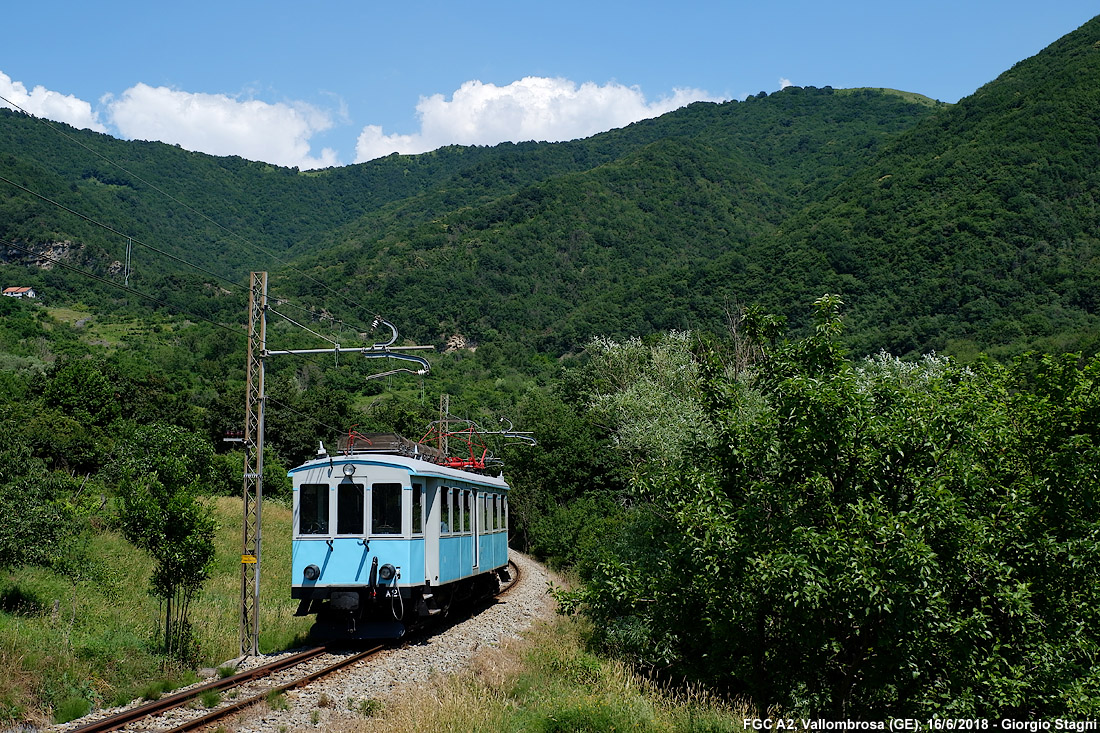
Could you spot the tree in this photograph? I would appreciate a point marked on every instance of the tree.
(160, 477)
(37, 524)
(79, 389)
(873, 536)
(566, 488)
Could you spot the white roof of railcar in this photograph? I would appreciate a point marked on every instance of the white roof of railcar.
(414, 466)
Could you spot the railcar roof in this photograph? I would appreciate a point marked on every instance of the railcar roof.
(415, 466)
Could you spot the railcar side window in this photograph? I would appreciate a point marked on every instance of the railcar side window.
(418, 509)
(349, 508)
(445, 512)
(313, 509)
(385, 509)
(456, 513)
(465, 511)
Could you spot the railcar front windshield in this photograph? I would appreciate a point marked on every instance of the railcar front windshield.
(349, 508)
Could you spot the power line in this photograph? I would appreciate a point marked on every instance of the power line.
(131, 240)
(132, 291)
(337, 323)
(114, 284)
(312, 419)
(212, 221)
(112, 230)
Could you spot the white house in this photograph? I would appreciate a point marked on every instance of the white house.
(19, 293)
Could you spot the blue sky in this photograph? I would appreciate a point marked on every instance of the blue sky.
(333, 83)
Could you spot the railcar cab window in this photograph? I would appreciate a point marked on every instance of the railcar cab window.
(385, 509)
(313, 509)
(349, 508)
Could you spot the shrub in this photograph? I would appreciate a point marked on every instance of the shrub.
(71, 708)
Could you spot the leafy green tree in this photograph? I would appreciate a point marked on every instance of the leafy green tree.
(227, 473)
(872, 537)
(37, 524)
(295, 420)
(572, 462)
(64, 442)
(161, 474)
(79, 389)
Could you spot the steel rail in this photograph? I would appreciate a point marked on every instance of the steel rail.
(238, 705)
(178, 699)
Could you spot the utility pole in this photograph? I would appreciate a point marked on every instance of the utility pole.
(444, 423)
(255, 399)
(253, 465)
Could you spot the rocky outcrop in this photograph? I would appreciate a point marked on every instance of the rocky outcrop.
(458, 342)
(46, 255)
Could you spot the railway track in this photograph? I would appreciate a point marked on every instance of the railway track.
(257, 685)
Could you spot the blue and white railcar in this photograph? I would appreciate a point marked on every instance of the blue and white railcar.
(383, 541)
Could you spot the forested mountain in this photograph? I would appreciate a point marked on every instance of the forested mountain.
(944, 227)
(228, 212)
(653, 200)
(618, 249)
(979, 225)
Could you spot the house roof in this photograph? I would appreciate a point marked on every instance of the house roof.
(17, 290)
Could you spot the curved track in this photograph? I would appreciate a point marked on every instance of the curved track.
(226, 708)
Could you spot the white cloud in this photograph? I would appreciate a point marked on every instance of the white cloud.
(784, 83)
(42, 102)
(533, 108)
(221, 125)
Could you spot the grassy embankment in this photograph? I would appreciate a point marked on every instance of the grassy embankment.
(67, 645)
(545, 682)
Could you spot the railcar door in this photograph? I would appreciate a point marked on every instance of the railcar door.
(475, 526)
(432, 527)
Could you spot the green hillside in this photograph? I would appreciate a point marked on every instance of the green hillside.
(640, 207)
(618, 249)
(229, 214)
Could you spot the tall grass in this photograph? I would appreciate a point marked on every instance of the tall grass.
(219, 605)
(95, 640)
(548, 682)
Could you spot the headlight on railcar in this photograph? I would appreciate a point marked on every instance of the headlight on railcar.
(312, 572)
(387, 572)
